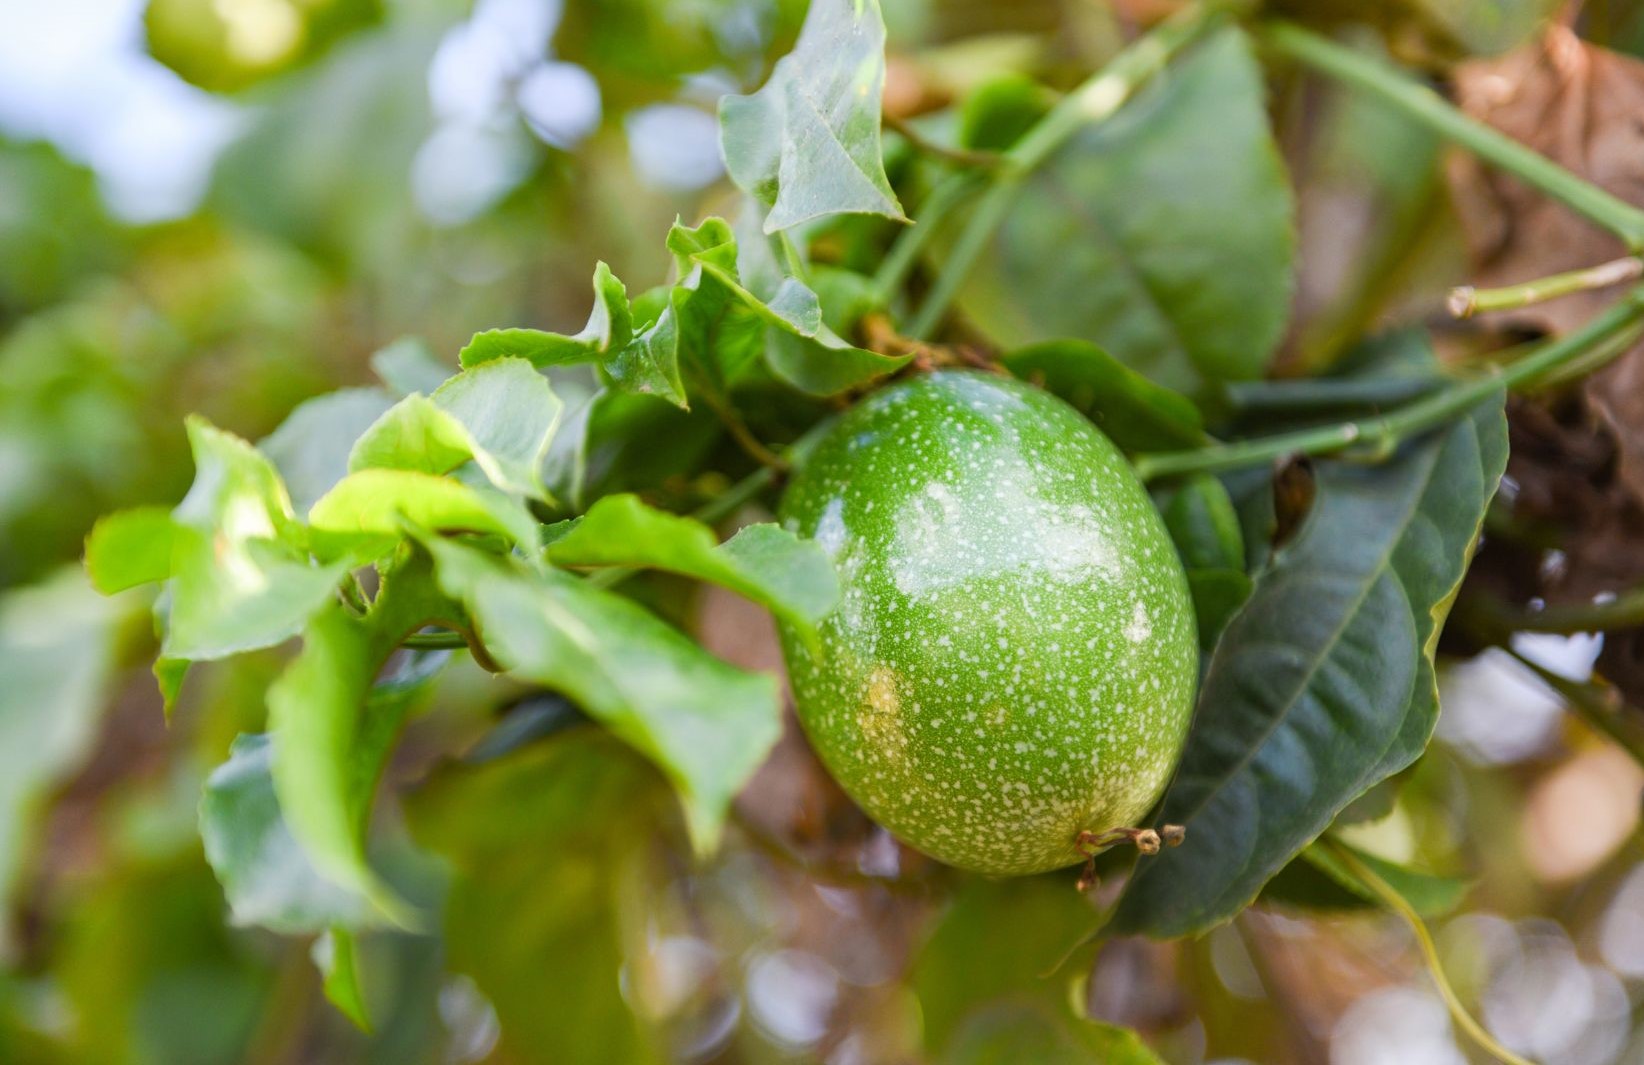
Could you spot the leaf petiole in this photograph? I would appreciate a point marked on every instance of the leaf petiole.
(1429, 951)
(1384, 433)
(1467, 301)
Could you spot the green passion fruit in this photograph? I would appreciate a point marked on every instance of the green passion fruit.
(1013, 658)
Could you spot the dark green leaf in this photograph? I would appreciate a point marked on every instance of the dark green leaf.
(310, 448)
(807, 143)
(997, 941)
(1204, 525)
(556, 831)
(128, 548)
(1323, 684)
(704, 723)
(1172, 232)
(769, 565)
(1011, 1033)
(1217, 596)
(1136, 413)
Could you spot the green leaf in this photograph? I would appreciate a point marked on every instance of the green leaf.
(999, 112)
(266, 877)
(610, 328)
(365, 516)
(807, 143)
(767, 564)
(57, 655)
(1318, 880)
(335, 955)
(501, 414)
(997, 940)
(310, 448)
(1323, 684)
(241, 577)
(1205, 526)
(128, 548)
(1136, 413)
(408, 365)
(706, 724)
(555, 831)
(1172, 225)
(1009, 1033)
(332, 733)
(1217, 596)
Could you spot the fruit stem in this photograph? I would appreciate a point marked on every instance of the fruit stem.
(1429, 952)
(1466, 301)
(1096, 100)
(1381, 435)
(1423, 105)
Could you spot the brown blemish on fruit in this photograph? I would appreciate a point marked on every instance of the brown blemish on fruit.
(879, 715)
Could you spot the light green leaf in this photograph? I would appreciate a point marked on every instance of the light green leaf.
(501, 414)
(610, 328)
(241, 577)
(268, 879)
(408, 365)
(706, 724)
(128, 548)
(367, 513)
(807, 143)
(566, 825)
(332, 733)
(335, 954)
(1172, 225)
(1136, 413)
(310, 448)
(1323, 685)
(769, 565)
(57, 655)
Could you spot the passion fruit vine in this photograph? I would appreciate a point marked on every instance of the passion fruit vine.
(1013, 659)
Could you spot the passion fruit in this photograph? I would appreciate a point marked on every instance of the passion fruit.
(1013, 659)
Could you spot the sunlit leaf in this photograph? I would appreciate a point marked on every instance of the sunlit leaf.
(1318, 879)
(1172, 229)
(408, 365)
(807, 143)
(336, 956)
(366, 514)
(769, 565)
(501, 414)
(1008, 1033)
(241, 578)
(129, 548)
(1323, 684)
(610, 328)
(706, 724)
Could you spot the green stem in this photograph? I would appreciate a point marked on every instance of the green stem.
(1625, 611)
(1467, 301)
(435, 641)
(1385, 432)
(899, 261)
(1427, 107)
(1094, 101)
(947, 153)
(1429, 952)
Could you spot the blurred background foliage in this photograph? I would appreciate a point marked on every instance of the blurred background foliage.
(227, 206)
